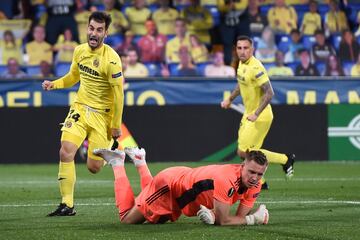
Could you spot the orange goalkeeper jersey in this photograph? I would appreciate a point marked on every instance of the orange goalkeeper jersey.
(192, 187)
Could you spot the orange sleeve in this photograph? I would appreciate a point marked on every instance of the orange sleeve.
(223, 189)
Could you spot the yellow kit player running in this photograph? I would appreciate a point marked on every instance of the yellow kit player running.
(97, 110)
(256, 92)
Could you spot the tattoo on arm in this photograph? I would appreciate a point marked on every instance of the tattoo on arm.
(235, 93)
(268, 94)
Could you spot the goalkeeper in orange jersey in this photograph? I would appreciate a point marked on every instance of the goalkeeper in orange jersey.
(189, 191)
(256, 91)
(97, 110)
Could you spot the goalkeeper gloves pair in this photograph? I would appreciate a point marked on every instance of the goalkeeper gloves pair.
(261, 216)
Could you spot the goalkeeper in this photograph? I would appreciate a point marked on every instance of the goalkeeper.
(189, 191)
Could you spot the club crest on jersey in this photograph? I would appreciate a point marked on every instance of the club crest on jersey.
(231, 192)
(96, 63)
(68, 124)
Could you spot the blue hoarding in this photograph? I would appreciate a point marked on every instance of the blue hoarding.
(21, 93)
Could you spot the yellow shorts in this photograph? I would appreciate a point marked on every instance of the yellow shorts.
(83, 121)
(252, 134)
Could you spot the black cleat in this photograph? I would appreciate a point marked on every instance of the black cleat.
(264, 186)
(288, 167)
(62, 210)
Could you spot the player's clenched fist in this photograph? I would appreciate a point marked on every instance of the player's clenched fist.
(261, 216)
(47, 85)
(206, 215)
(226, 103)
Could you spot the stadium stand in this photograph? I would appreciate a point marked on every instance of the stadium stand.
(2, 68)
(33, 70)
(283, 41)
(61, 68)
(153, 68)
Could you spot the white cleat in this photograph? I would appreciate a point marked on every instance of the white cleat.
(112, 157)
(137, 155)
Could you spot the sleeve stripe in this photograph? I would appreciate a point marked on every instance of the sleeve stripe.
(259, 74)
(116, 75)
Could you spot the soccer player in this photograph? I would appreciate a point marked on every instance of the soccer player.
(189, 191)
(97, 110)
(256, 92)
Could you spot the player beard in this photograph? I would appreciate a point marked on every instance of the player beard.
(94, 41)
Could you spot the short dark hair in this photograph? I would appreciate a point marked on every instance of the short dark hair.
(294, 30)
(302, 50)
(101, 17)
(180, 19)
(257, 156)
(244, 38)
(319, 31)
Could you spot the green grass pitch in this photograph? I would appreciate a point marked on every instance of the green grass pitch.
(322, 202)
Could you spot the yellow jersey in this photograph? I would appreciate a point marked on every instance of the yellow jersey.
(355, 70)
(336, 21)
(173, 46)
(280, 71)
(9, 50)
(118, 19)
(39, 52)
(250, 76)
(282, 19)
(66, 50)
(137, 19)
(82, 19)
(97, 71)
(311, 22)
(165, 20)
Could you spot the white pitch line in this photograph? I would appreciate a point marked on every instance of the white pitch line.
(310, 202)
(313, 202)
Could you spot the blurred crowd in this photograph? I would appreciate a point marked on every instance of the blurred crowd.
(184, 37)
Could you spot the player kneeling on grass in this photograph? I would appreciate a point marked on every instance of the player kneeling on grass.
(189, 191)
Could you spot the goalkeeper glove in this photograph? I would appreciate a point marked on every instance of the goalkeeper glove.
(261, 216)
(206, 215)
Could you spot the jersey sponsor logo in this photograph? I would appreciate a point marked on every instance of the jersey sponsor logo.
(88, 70)
(231, 192)
(96, 63)
(259, 74)
(116, 75)
(113, 63)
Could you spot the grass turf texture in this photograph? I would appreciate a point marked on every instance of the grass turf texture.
(321, 202)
